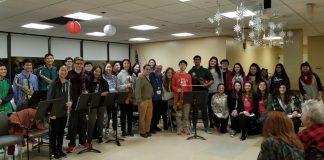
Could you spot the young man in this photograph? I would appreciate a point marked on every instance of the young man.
(181, 82)
(6, 92)
(77, 118)
(88, 68)
(201, 76)
(46, 74)
(25, 80)
(143, 96)
(226, 73)
(69, 63)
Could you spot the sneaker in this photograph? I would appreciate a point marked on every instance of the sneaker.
(178, 132)
(208, 130)
(158, 129)
(186, 132)
(144, 135)
(62, 154)
(70, 149)
(233, 133)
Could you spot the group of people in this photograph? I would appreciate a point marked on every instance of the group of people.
(252, 102)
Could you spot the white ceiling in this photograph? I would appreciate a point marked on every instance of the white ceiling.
(170, 15)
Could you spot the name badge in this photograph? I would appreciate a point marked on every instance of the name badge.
(158, 92)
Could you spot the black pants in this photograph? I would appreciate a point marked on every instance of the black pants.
(235, 124)
(159, 108)
(204, 113)
(210, 110)
(126, 110)
(112, 114)
(245, 123)
(57, 134)
(221, 123)
(297, 123)
(78, 124)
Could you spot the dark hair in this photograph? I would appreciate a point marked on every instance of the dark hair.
(104, 72)
(234, 91)
(47, 55)
(196, 56)
(257, 74)
(305, 64)
(259, 94)
(241, 70)
(68, 58)
(183, 61)
(146, 66)
(2, 64)
(27, 61)
(276, 93)
(216, 67)
(283, 71)
(267, 76)
(87, 63)
(166, 81)
(122, 66)
(139, 69)
(115, 63)
(78, 59)
(224, 60)
(220, 84)
(244, 91)
(58, 78)
(154, 63)
(91, 77)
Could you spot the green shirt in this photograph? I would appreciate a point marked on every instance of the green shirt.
(199, 74)
(6, 94)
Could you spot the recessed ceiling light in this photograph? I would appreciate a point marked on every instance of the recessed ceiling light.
(272, 38)
(83, 16)
(37, 26)
(233, 15)
(98, 34)
(144, 27)
(184, 34)
(184, 0)
(139, 39)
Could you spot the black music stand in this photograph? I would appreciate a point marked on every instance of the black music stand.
(196, 99)
(47, 109)
(87, 102)
(111, 99)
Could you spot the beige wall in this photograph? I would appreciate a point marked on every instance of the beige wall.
(265, 57)
(169, 53)
(316, 55)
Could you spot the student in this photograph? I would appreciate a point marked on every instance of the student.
(216, 73)
(238, 75)
(265, 77)
(116, 68)
(69, 63)
(235, 106)
(279, 75)
(262, 101)
(226, 73)
(88, 68)
(254, 75)
(27, 80)
(59, 88)
(46, 74)
(6, 92)
(152, 64)
(284, 101)
(125, 84)
(143, 96)
(280, 140)
(167, 96)
(201, 76)
(310, 85)
(220, 108)
(181, 82)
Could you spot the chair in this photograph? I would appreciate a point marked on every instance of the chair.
(39, 134)
(6, 139)
(316, 153)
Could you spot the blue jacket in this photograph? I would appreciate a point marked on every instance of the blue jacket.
(23, 79)
(156, 82)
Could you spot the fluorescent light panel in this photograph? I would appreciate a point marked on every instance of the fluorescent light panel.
(98, 34)
(138, 39)
(272, 38)
(233, 15)
(82, 16)
(144, 27)
(184, 0)
(37, 26)
(184, 34)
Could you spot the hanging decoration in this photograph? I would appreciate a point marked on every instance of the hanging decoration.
(110, 30)
(217, 18)
(73, 27)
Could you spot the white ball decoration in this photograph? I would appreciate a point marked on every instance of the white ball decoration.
(110, 30)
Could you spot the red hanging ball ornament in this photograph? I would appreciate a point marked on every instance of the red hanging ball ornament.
(73, 27)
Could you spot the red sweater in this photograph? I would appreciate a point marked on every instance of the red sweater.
(183, 80)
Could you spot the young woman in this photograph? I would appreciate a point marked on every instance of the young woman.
(279, 75)
(284, 101)
(216, 73)
(152, 63)
(280, 140)
(59, 88)
(238, 75)
(95, 84)
(235, 106)
(220, 109)
(248, 113)
(310, 85)
(167, 95)
(254, 75)
(6, 92)
(111, 110)
(125, 84)
(262, 101)
(116, 68)
(136, 71)
(265, 77)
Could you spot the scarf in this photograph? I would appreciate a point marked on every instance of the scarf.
(307, 77)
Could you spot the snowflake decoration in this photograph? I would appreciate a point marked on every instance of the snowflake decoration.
(218, 16)
(280, 25)
(211, 20)
(272, 25)
(252, 35)
(237, 28)
(218, 30)
(282, 34)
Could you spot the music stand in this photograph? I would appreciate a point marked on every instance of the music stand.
(196, 99)
(54, 106)
(87, 102)
(110, 100)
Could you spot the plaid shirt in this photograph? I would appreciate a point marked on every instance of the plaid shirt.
(312, 136)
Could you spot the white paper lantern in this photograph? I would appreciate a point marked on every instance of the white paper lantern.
(110, 30)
